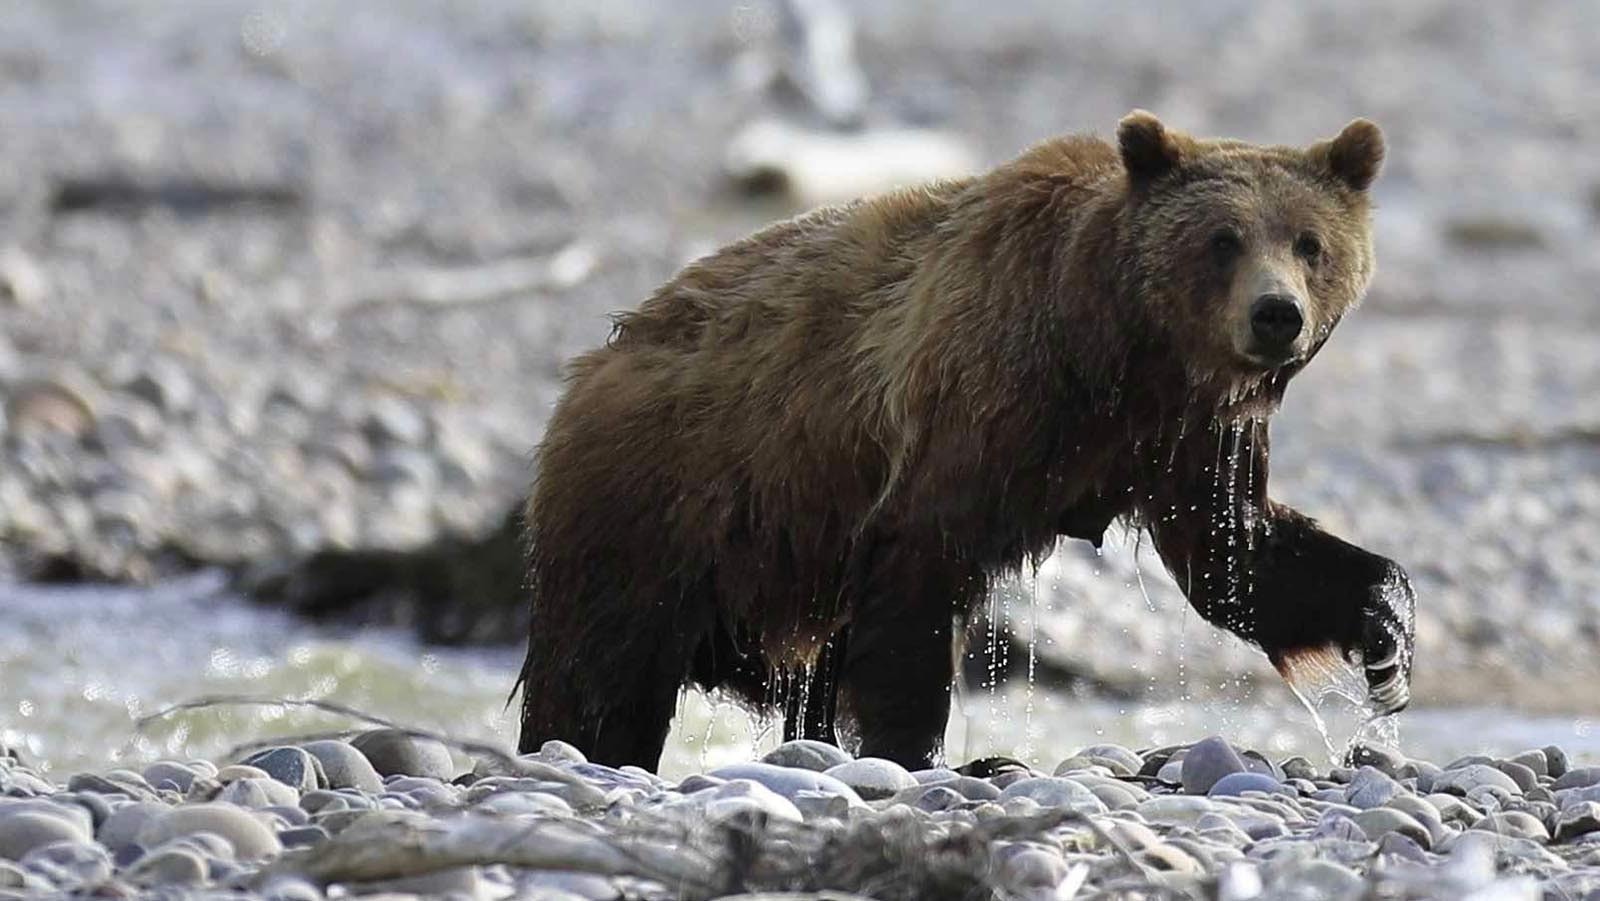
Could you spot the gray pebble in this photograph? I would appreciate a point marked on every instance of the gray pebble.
(786, 781)
(259, 793)
(1380, 821)
(289, 888)
(1463, 779)
(392, 752)
(122, 827)
(294, 767)
(1054, 791)
(71, 863)
(100, 785)
(22, 830)
(344, 766)
(1120, 760)
(873, 778)
(1207, 762)
(806, 754)
(1514, 823)
(1523, 776)
(251, 839)
(1371, 787)
(1555, 761)
(164, 772)
(1579, 819)
(1299, 768)
(303, 836)
(1534, 759)
(169, 866)
(1235, 784)
(1580, 777)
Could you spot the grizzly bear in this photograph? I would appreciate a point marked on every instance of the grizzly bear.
(799, 465)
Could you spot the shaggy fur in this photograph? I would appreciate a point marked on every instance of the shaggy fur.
(798, 465)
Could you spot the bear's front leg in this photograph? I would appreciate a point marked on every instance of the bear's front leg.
(899, 660)
(1270, 574)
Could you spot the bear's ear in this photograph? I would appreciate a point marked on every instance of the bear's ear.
(1355, 156)
(1149, 151)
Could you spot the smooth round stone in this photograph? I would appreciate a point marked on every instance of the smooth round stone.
(1054, 791)
(23, 830)
(1461, 780)
(1235, 784)
(251, 839)
(1118, 759)
(1299, 768)
(294, 767)
(1534, 759)
(1524, 777)
(167, 771)
(1395, 844)
(303, 836)
(344, 766)
(1579, 819)
(1340, 825)
(698, 781)
(557, 751)
(973, 789)
(1422, 812)
(934, 797)
(122, 827)
(787, 781)
(392, 753)
(1176, 810)
(1514, 823)
(1118, 797)
(1380, 821)
(1371, 787)
(935, 774)
(873, 778)
(1579, 777)
(742, 796)
(1217, 828)
(100, 785)
(97, 806)
(806, 754)
(1555, 761)
(1207, 762)
(74, 863)
(169, 866)
(259, 793)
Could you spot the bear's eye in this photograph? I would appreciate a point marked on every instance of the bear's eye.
(1308, 247)
(1225, 245)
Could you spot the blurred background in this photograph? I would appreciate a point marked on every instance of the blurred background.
(286, 288)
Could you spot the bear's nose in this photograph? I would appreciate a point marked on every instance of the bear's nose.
(1276, 321)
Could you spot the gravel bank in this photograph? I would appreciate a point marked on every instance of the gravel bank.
(389, 812)
(280, 283)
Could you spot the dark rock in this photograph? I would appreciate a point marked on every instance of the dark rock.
(1207, 762)
(294, 767)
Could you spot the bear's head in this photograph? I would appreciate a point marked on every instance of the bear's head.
(1245, 256)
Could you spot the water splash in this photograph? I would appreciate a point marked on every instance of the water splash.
(1324, 682)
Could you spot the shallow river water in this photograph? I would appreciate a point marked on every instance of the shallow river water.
(78, 666)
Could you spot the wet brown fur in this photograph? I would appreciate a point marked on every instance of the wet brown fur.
(797, 466)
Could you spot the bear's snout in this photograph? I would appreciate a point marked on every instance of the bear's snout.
(1276, 321)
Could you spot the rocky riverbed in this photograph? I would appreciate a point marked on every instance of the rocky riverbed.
(286, 289)
(401, 813)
